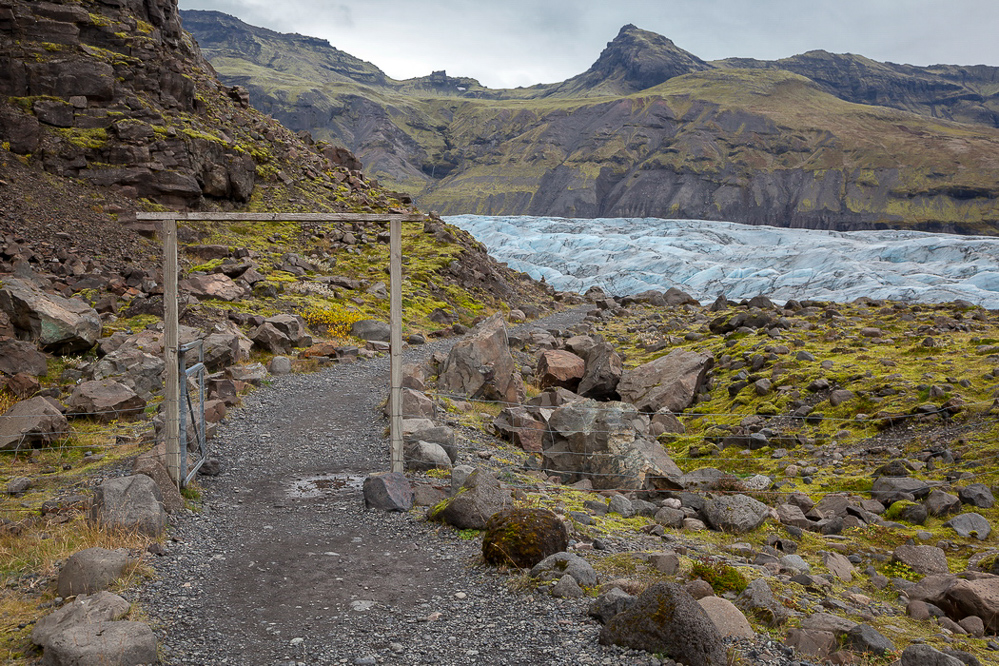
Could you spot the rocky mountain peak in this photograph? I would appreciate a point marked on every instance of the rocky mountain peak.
(638, 59)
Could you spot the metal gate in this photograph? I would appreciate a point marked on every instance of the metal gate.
(193, 409)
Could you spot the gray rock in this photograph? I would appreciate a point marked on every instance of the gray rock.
(922, 559)
(33, 422)
(554, 566)
(938, 503)
(173, 501)
(666, 620)
(458, 475)
(839, 565)
(85, 609)
(924, 655)
(567, 588)
(669, 382)
(130, 503)
(736, 514)
(105, 400)
(835, 624)
(18, 356)
(270, 338)
(106, 643)
(621, 505)
(669, 517)
(279, 365)
(388, 492)
(18, 485)
(666, 562)
(866, 638)
(598, 441)
(423, 456)
(977, 494)
(138, 370)
(790, 514)
(888, 488)
(480, 496)
(811, 643)
(759, 599)
(91, 570)
(968, 524)
(602, 373)
(610, 603)
(371, 330)
(795, 563)
(424, 430)
(963, 598)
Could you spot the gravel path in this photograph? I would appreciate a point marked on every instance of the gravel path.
(283, 565)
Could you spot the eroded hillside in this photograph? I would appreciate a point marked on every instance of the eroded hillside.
(816, 141)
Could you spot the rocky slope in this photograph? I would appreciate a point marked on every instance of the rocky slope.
(815, 141)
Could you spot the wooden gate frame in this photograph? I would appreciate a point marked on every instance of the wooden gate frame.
(171, 342)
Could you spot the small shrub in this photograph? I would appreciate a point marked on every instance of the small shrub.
(720, 576)
(901, 570)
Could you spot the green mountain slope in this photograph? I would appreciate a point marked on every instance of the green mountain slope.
(818, 140)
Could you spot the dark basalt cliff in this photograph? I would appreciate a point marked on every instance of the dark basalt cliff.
(117, 95)
(818, 140)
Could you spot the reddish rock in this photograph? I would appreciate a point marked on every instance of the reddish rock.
(560, 369)
(215, 286)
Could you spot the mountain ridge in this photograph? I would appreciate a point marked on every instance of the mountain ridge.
(652, 130)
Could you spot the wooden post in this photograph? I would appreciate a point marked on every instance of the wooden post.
(395, 372)
(171, 346)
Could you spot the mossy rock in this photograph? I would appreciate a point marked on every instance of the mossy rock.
(523, 537)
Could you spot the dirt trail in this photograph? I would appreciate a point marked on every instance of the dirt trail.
(285, 566)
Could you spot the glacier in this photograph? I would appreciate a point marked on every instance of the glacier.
(629, 255)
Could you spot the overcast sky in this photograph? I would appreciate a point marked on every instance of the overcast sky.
(508, 43)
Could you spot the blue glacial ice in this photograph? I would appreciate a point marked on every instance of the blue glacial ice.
(629, 255)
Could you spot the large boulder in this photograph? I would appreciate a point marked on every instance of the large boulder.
(138, 370)
(973, 597)
(602, 373)
(671, 381)
(736, 514)
(523, 537)
(665, 619)
(372, 330)
(105, 400)
(922, 559)
(560, 368)
(727, 618)
(56, 324)
(129, 503)
(270, 338)
(119, 643)
(482, 367)
(99, 608)
(32, 422)
(599, 441)
(17, 356)
(91, 570)
(480, 496)
(970, 524)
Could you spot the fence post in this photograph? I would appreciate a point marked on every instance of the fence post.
(395, 352)
(171, 344)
